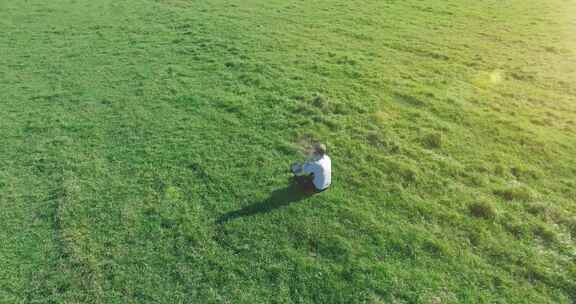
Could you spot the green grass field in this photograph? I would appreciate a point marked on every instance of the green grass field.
(145, 146)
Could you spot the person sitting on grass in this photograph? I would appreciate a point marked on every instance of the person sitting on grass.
(315, 175)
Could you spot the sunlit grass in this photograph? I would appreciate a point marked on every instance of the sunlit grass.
(146, 144)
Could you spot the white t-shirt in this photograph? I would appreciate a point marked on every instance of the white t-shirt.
(322, 170)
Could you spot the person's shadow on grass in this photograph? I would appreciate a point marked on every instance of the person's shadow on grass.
(277, 199)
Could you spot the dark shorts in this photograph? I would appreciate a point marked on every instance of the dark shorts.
(306, 183)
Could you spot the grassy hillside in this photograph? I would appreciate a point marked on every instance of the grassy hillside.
(145, 144)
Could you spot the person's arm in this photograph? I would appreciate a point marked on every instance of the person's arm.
(308, 167)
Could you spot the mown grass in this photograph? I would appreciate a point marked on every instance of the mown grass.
(145, 147)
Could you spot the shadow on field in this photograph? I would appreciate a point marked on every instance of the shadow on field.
(277, 199)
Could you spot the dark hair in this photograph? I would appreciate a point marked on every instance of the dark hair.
(320, 148)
